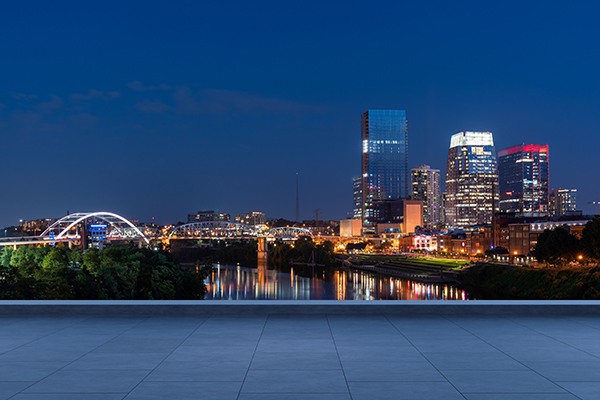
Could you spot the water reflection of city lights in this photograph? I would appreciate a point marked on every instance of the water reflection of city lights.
(260, 283)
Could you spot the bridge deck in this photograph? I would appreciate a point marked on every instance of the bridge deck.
(299, 356)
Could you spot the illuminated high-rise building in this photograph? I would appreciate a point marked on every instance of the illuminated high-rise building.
(384, 160)
(523, 180)
(357, 196)
(425, 186)
(562, 202)
(471, 179)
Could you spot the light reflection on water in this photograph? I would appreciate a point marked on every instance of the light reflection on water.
(238, 283)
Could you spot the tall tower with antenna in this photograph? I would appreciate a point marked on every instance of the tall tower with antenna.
(297, 201)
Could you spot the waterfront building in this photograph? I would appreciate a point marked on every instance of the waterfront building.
(350, 228)
(408, 214)
(425, 186)
(523, 180)
(253, 218)
(563, 202)
(471, 176)
(384, 159)
(210, 215)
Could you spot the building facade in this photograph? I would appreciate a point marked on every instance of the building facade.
(253, 218)
(407, 213)
(211, 215)
(357, 197)
(425, 186)
(523, 180)
(471, 179)
(384, 159)
(563, 202)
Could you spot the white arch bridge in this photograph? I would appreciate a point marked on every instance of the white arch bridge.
(69, 229)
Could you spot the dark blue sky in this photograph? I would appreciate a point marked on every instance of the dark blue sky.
(165, 108)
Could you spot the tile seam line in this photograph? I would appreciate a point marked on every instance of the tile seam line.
(559, 341)
(579, 322)
(338, 356)
(160, 363)
(85, 318)
(422, 355)
(253, 355)
(68, 326)
(491, 345)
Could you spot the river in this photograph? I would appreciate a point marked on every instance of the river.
(228, 282)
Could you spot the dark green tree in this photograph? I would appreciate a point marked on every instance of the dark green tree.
(556, 247)
(590, 239)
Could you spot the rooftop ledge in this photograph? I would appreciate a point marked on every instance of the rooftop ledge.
(199, 307)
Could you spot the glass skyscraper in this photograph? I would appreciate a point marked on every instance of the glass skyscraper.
(523, 180)
(471, 179)
(384, 160)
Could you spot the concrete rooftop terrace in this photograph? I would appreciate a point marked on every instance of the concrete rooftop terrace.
(51, 351)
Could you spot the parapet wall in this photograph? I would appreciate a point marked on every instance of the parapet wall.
(203, 307)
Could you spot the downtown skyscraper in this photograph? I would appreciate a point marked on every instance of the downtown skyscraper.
(471, 179)
(523, 180)
(425, 186)
(384, 159)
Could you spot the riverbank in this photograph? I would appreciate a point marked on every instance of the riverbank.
(498, 282)
(419, 269)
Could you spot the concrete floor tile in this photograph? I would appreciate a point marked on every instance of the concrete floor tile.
(472, 360)
(470, 345)
(222, 340)
(583, 390)
(47, 355)
(199, 371)
(28, 371)
(89, 381)
(185, 391)
(212, 353)
(294, 396)
(391, 372)
(378, 353)
(403, 390)
(295, 381)
(116, 361)
(139, 345)
(277, 345)
(478, 381)
(519, 396)
(548, 354)
(69, 396)
(566, 371)
(9, 389)
(295, 361)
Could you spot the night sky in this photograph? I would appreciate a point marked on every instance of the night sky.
(160, 109)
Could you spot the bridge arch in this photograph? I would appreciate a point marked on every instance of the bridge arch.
(67, 223)
(287, 232)
(222, 229)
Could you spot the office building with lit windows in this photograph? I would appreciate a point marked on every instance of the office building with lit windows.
(471, 179)
(357, 197)
(563, 202)
(384, 159)
(523, 180)
(425, 186)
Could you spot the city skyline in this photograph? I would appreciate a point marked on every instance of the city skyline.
(150, 110)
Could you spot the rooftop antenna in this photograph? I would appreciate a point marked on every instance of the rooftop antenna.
(297, 201)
